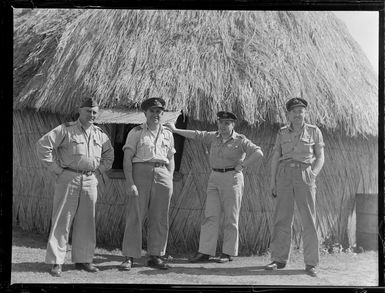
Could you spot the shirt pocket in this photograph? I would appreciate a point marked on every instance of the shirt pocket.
(97, 148)
(287, 145)
(306, 144)
(78, 146)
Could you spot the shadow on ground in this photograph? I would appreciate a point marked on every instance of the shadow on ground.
(225, 271)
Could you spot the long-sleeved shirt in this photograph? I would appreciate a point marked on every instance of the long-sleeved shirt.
(70, 146)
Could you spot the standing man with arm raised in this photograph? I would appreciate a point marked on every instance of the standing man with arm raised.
(297, 160)
(230, 153)
(81, 149)
(148, 167)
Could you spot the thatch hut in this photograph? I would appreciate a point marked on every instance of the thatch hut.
(201, 62)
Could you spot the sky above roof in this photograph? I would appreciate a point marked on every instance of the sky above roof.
(363, 26)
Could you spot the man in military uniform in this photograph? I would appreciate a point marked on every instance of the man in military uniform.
(73, 152)
(230, 153)
(148, 167)
(297, 160)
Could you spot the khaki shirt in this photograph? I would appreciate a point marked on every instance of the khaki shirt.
(226, 154)
(148, 146)
(68, 145)
(299, 148)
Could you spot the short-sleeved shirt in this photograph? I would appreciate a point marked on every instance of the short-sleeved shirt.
(300, 146)
(70, 146)
(226, 154)
(149, 146)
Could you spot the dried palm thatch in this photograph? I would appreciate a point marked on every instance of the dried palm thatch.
(201, 62)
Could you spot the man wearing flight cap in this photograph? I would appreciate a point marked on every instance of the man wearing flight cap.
(80, 149)
(148, 167)
(298, 157)
(230, 153)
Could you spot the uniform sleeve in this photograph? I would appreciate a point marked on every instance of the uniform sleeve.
(249, 147)
(171, 150)
(318, 139)
(47, 144)
(277, 145)
(205, 137)
(132, 140)
(107, 154)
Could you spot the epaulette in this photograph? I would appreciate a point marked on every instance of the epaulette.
(70, 123)
(99, 128)
(240, 135)
(311, 125)
(138, 127)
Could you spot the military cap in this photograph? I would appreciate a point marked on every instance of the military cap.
(153, 102)
(295, 102)
(223, 115)
(89, 102)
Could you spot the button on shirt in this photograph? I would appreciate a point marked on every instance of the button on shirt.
(226, 154)
(299, 146)
(69, 145)
(150, 146)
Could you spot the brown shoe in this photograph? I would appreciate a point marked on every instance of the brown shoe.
(56, 270)
(311, 271)
(157, 263)
(275, 265)
(89, 267)
(224, 258)
(126, 265)
(200, 257)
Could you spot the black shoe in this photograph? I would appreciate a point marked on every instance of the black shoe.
(157, 263)
(275, 265)
(224, 258)
(89, 267)
(56, 270)
(200, 257)
(126, 265)
(310, 270)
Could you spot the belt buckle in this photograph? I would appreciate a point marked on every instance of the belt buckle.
(88, 173)
(157, 164)
(292, 165)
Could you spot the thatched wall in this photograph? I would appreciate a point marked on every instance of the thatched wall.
(350, 167)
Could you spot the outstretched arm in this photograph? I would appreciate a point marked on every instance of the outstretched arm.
(184, 132)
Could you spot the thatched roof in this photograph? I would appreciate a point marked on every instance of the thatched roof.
(200, 62)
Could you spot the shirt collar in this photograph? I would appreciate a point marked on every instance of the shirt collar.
(145, 126)
(292, 129)
(233, 135)
(80, 126)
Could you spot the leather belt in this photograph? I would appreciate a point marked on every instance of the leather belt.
(88, 173)
(155, 164)
(223, 170)
(294, 164)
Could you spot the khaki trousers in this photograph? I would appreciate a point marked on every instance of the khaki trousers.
(155, 189)
(295, 185)
(74, 203)
(224, 195)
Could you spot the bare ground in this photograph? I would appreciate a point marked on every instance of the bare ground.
(340, 269)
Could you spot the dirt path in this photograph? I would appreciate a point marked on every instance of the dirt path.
(342, 269)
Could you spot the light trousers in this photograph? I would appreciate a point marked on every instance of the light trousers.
(155, 187)
(224, 196)
(73, 204)
(295, 185)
